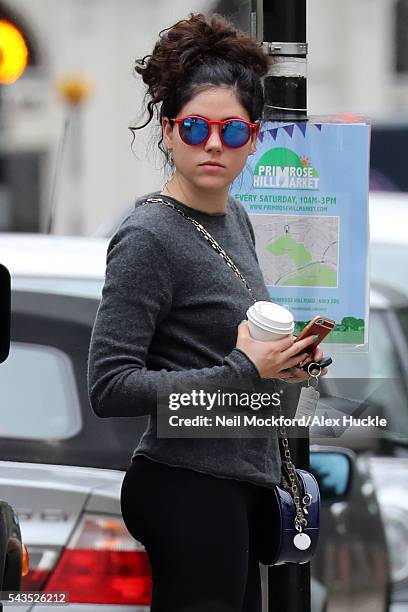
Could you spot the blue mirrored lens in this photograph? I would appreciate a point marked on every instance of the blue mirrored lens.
(235, 133)
(193, 131)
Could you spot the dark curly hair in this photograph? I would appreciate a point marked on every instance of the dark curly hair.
(195, 54)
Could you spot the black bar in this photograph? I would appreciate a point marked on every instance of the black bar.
(284, 20)
(5, 310)
(285, 92)
(289, 588)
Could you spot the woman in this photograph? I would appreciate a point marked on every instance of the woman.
(172, 315)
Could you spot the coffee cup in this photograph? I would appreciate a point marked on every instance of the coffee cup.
(268, 321)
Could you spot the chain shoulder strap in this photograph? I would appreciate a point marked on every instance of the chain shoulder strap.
(300, 520)
(201, 229)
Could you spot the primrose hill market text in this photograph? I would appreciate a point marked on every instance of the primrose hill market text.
(286, 178)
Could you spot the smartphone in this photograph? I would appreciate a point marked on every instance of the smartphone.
(318, 326)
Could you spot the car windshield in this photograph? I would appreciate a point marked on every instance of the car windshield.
(65, 286)
(375, 378)
(386, 263)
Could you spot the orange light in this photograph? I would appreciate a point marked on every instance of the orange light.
(13, 53)
(26, 562)
(74, 89)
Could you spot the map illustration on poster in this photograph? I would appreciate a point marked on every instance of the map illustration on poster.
(306, 192)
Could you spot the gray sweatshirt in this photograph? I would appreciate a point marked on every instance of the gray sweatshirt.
(169, 314)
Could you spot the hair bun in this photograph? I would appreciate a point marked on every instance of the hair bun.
(201, 38)
(193, 41)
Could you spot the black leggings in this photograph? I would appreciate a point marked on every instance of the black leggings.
(202, 535)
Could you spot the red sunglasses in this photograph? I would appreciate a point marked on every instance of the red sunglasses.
(234, 133)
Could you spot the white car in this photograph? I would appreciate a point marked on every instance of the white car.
(389, 238)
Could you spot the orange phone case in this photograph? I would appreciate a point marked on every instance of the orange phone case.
(318, 326)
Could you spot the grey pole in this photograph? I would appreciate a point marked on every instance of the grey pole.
(280, 26)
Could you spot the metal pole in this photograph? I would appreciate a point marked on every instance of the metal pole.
(289, 584)
(281, 27)
(284, 37)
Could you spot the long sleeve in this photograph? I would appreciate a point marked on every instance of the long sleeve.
(136, 298)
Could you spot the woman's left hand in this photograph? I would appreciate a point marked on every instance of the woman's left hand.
(298, 375)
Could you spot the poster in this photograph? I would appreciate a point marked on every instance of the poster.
(306, 192)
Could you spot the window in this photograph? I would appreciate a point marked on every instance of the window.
(403, 319)
(401, 36)
(78, 287)
(21, 167)
(39, 398)
(374, 378)
(386, 262)
(332, 471)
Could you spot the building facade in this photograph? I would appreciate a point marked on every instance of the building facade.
(65, 147)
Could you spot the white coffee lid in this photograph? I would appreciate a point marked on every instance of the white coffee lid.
(271, 315)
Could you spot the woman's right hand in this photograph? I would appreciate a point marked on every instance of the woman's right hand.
(271, 358)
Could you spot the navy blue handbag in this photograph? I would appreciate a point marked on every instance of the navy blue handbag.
(285, 549)
(273, 523)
